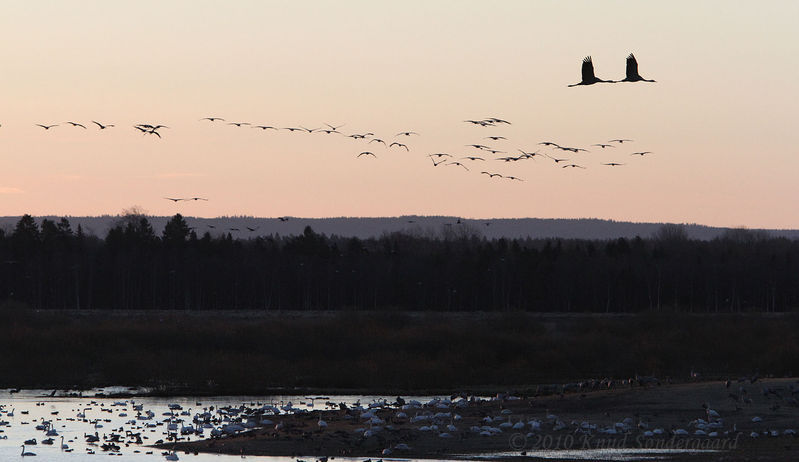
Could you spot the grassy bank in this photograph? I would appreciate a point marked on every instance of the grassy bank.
(220, 353)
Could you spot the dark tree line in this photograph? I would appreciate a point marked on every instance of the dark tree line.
(52, 266)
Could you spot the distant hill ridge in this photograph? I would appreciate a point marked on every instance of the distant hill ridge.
(366, 227)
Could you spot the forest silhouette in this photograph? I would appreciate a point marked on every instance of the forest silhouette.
(51, 266)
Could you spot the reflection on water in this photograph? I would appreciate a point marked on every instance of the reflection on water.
(73, 418)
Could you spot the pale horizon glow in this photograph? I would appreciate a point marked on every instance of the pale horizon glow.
(719, 120)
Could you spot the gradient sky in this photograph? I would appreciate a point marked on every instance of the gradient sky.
(721, 120)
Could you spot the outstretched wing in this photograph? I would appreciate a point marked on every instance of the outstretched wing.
(632, 67)
(588, 69)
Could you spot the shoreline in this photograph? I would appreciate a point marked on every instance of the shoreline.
(563, 423)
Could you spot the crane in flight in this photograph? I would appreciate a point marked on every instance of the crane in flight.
(101, 126)
(632, 71)
(588, 76)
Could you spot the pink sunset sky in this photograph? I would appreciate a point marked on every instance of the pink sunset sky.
(721, 120)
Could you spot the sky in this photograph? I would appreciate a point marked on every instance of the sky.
(720, 121)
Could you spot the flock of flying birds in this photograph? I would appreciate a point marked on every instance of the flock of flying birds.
(554, 151)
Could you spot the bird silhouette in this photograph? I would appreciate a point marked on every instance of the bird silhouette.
(283, 218)
(632, 71)
(238, 124)
(612, 164)
(377, 140)
(197, 199)
(400, 145)
(491, 175)
(498, 121)
(213, 119)
(472, 158)
(603, 146)
(252, 229)
(619, 140)
(573, 166)
(558, 160)
(174, 199)
(264, 127)
(406, 133)
(309, 130)
(588, 74)
(642, 153)
(292, 129)
(75, 124)
(101, 126)
(549, 143)
(513, 178)
(333, 127)
(367, 153)
(458, 164)
(495, 138)
(440, 154)
(47, 127)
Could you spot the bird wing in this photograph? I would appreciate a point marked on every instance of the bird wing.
(632, 67)
(588, 69)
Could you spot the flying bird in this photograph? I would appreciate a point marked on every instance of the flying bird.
(513, 178)
(334, 128)
(102, 127)
(588, 74)
(491, 175)
(550, 143)
(472, 158)
(367, 153)
(283, 218)
(573, 165)
(406, 133)
(292, 129)
(642, 153)
(495, 138)
(196, 199)
(309, 130)
(174, 199)
(440, 154)
(558, 160)
(264, 127)
(458, 164)
(603, 146)
(620, 141)
(377, 140)
(400, 145)
(251, 229)
(613, 164)
(75, 124)
(238, 124)
(632, 71)
(47, 127)
(213, 119)
(498, 121)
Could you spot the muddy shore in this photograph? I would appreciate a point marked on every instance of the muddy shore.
(570, 421)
